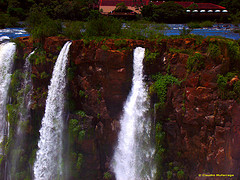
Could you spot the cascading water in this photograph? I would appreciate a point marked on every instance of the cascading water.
(134, 154)
(24, 115)
(48, 164)
(7, 51)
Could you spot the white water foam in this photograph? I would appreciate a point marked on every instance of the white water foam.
(134, 154)
(7, 51)
(48, 164)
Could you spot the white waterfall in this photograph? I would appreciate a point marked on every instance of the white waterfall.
(7, 51)
(48, 164)
(27, 92)
(134, 154)
(24, 116)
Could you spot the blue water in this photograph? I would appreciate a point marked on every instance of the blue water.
(12, 33)
(224, 30)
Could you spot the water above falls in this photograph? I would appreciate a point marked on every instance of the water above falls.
(134, 154)
(48, 164)
(7, 51)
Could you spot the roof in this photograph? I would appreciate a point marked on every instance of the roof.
(146, 2)
(185, 4)
(209, 6)
(127, 2)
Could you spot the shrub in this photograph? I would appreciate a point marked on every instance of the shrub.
(160, 86)
(185, 32)
(165, 12)
(169, 175)
(74, 29)
(107, 176)
(213, 51)
(234, 53)
(227, 91)
(40, 25)
(82, 114)
(8, 21)
(79, 161)
(72, 10)
(207, 24)
(194, 25)
(44, 75)
(103, 26)
(150, 57)
(195, 62)
(81, 93)
(159, 140)
(180, 174)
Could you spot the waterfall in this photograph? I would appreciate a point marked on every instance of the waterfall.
(134, 154)
(27, 92)
(24, 116)
(48, 164)
(7, 51)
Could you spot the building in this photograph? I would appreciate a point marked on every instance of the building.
(200, 9)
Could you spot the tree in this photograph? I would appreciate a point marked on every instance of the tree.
(169, 12)
(40, 25)
(121, 7)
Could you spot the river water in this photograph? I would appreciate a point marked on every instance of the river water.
(223, 30)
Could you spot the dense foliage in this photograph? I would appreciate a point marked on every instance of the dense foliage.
(166, 12)
(82, 10)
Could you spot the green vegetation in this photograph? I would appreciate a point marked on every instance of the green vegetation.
(75, 130)
(194, 25)
(214, 51)
(82, 114)
(185, 31)
(150, 57)
(195, 62)
(229, 89)
(160, 150)
(40, 25)
(160, 86)
(39, 57)
(81, 93)
(74, 29)
(180, 174)
(20, 153)
(121, 7)
(166, 12)
(234, 53)
(103, 26)
(107, 176)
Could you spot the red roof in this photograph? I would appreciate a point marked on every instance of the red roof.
(127, 2)
(185, 4)
(146, 2)
(209, 6)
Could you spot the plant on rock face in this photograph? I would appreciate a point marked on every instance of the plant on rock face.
(195, 62)
(213, 51)
(160, 86)
(234, 53)
(180, 174)
(150, 57)
(159, 140)
(107, 176)
(229, 89)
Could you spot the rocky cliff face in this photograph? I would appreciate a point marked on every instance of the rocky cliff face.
(202, 129)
